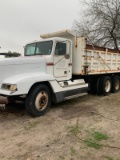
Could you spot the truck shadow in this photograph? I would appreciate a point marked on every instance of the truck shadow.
(17, 109)
(76, 108)
(65, 110)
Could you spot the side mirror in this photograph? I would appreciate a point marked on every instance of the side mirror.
(67, 56)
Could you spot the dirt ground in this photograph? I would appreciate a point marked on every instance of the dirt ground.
(66, 132)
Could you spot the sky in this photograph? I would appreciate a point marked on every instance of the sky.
(22, 21)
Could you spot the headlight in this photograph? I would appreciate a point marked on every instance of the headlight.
(13, 87)
(10, 87)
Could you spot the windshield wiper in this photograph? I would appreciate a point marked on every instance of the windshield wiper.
(39, 54)
(29, 55)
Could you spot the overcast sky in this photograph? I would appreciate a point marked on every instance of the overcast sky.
(22, 21)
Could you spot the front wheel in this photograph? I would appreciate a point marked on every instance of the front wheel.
(38, 100)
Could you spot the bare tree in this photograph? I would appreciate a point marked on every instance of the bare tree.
(100, 22)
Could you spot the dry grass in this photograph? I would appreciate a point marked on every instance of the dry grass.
(86, 128)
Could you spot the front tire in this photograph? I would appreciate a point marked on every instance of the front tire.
(38, 100)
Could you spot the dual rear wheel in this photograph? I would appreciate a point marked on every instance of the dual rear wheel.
(105, 84)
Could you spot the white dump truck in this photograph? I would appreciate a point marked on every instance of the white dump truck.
(58, 67)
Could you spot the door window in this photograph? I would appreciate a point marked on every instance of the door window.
(60, 48)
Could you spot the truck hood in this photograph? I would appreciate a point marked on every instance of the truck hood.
(10, 67)
(21, 60)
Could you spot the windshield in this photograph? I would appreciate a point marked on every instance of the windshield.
(39, 48)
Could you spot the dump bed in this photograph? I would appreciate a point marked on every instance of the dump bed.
(95, 60)
(100, 60)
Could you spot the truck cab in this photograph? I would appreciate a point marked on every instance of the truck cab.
(57, 53)
(44, 74)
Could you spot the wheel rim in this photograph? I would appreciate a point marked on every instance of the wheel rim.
(107, 86)
(117, 84)
(41, 101)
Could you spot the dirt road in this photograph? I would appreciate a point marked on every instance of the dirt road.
(86, 128)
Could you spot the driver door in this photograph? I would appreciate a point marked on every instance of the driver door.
(62, 60)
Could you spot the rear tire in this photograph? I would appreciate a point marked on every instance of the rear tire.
(115, 84)
(38, 100)
(94, 86)
(104, 87)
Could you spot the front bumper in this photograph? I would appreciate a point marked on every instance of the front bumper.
(4, 92)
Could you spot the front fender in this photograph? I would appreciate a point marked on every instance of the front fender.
(25, 81)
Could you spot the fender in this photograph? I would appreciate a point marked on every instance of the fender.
(25, 81)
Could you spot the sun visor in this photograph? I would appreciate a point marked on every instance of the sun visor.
(64, 33)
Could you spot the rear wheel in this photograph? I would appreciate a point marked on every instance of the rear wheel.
(38, 100)
(94, 86)
(115, 84)
(104, 85)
